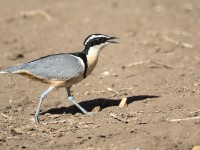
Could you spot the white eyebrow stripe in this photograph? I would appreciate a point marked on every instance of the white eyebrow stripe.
(94, 36)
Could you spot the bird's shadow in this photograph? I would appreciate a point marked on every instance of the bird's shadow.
(89, 105)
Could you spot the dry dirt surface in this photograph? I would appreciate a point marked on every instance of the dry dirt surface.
(156, 66)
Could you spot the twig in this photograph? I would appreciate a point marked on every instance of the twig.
(147, 62)
(55, 122)
(160, 64)
(184, 119)
(6, 116)
(123, 103)
(136, 63)
(118, 118)
(125, 89)
(37, 12)
(170, 40)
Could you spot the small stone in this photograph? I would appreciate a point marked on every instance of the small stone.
(59, 135)
(104, 74)
(187, 45)
(87, 93)
(97, 109)
(196, 148)
(19, 109)
(13, 132)
(110, 89)
(32, 119)
(2, 139)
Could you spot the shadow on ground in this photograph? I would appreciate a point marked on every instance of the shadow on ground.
(89, 105)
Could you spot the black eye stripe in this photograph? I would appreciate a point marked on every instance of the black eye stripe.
(97, 41)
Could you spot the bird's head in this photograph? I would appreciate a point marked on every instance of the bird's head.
(98, 41)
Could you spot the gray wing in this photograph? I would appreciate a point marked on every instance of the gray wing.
(55, 67)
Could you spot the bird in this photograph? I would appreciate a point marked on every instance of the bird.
(62, 70)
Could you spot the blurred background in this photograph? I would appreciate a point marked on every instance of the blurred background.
(155, 65)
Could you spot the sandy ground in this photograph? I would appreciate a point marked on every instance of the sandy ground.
(156, 66)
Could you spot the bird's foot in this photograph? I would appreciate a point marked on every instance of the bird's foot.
(36, 118)
(81, 108)
(89, 113)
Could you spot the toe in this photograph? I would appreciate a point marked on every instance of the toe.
(90, 113)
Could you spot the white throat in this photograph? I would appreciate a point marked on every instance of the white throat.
(92, 56)
(93, 51)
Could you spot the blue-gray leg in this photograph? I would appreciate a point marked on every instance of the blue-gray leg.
(39, 105)
(70, 98)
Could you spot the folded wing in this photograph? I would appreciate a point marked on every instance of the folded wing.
(54, 67)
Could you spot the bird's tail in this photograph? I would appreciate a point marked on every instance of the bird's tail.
(3, 72)
(10, 69)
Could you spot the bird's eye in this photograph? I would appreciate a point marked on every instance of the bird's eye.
(102, 40)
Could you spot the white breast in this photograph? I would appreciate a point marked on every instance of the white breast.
(92, 58)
